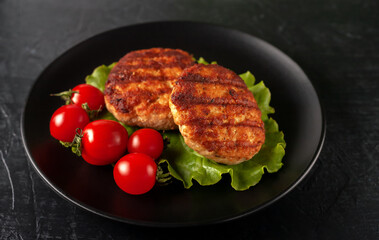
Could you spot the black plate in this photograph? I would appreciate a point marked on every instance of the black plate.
(298, 113)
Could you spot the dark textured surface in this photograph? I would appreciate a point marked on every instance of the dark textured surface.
(335, 42)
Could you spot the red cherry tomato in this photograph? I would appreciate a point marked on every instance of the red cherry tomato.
(147, 141)
(88, 94)
(66, 120)
(104, 142)
(135, 173)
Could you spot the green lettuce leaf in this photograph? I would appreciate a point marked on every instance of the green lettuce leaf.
(99, 76)
(248, 78)
(203, 61)
(186, 165)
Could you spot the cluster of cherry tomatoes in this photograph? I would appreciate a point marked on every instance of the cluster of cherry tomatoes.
(105, 142)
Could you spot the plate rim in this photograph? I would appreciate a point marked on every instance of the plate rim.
(210, 221)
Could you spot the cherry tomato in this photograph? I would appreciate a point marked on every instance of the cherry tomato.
(135, 173)
(66, 120)
(104, 142)
(147, 141)
(88, 94)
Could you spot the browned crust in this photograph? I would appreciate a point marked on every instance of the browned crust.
(216, 114)
(138, 87)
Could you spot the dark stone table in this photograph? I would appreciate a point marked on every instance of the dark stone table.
(335, 42)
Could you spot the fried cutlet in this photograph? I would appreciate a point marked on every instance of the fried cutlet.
(217, 115)
(138, 87)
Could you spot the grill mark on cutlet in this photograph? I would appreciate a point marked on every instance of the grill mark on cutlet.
(218, 121)
(185, 99)
(215, 145)
(226, 92)
(212, 132)
(219, 80)
(165, 58)
(126, 101)
(217, 76)
(121, 105)
(151, 65)
(130, 78)
(125, 72)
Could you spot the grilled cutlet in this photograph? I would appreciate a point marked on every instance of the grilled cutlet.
(139, 86)
(216, 114)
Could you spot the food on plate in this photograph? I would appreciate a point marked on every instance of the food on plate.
(135, 173)
(103, 142)
(217, 115)
(147, 141)
(187, 166)
(223, 118)
(139, 85)
(65, 120)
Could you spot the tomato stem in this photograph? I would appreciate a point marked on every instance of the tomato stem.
(76, 144)
(163, 177)
(66, 96)
(92, 114)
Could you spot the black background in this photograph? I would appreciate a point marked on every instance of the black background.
(335, 42)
